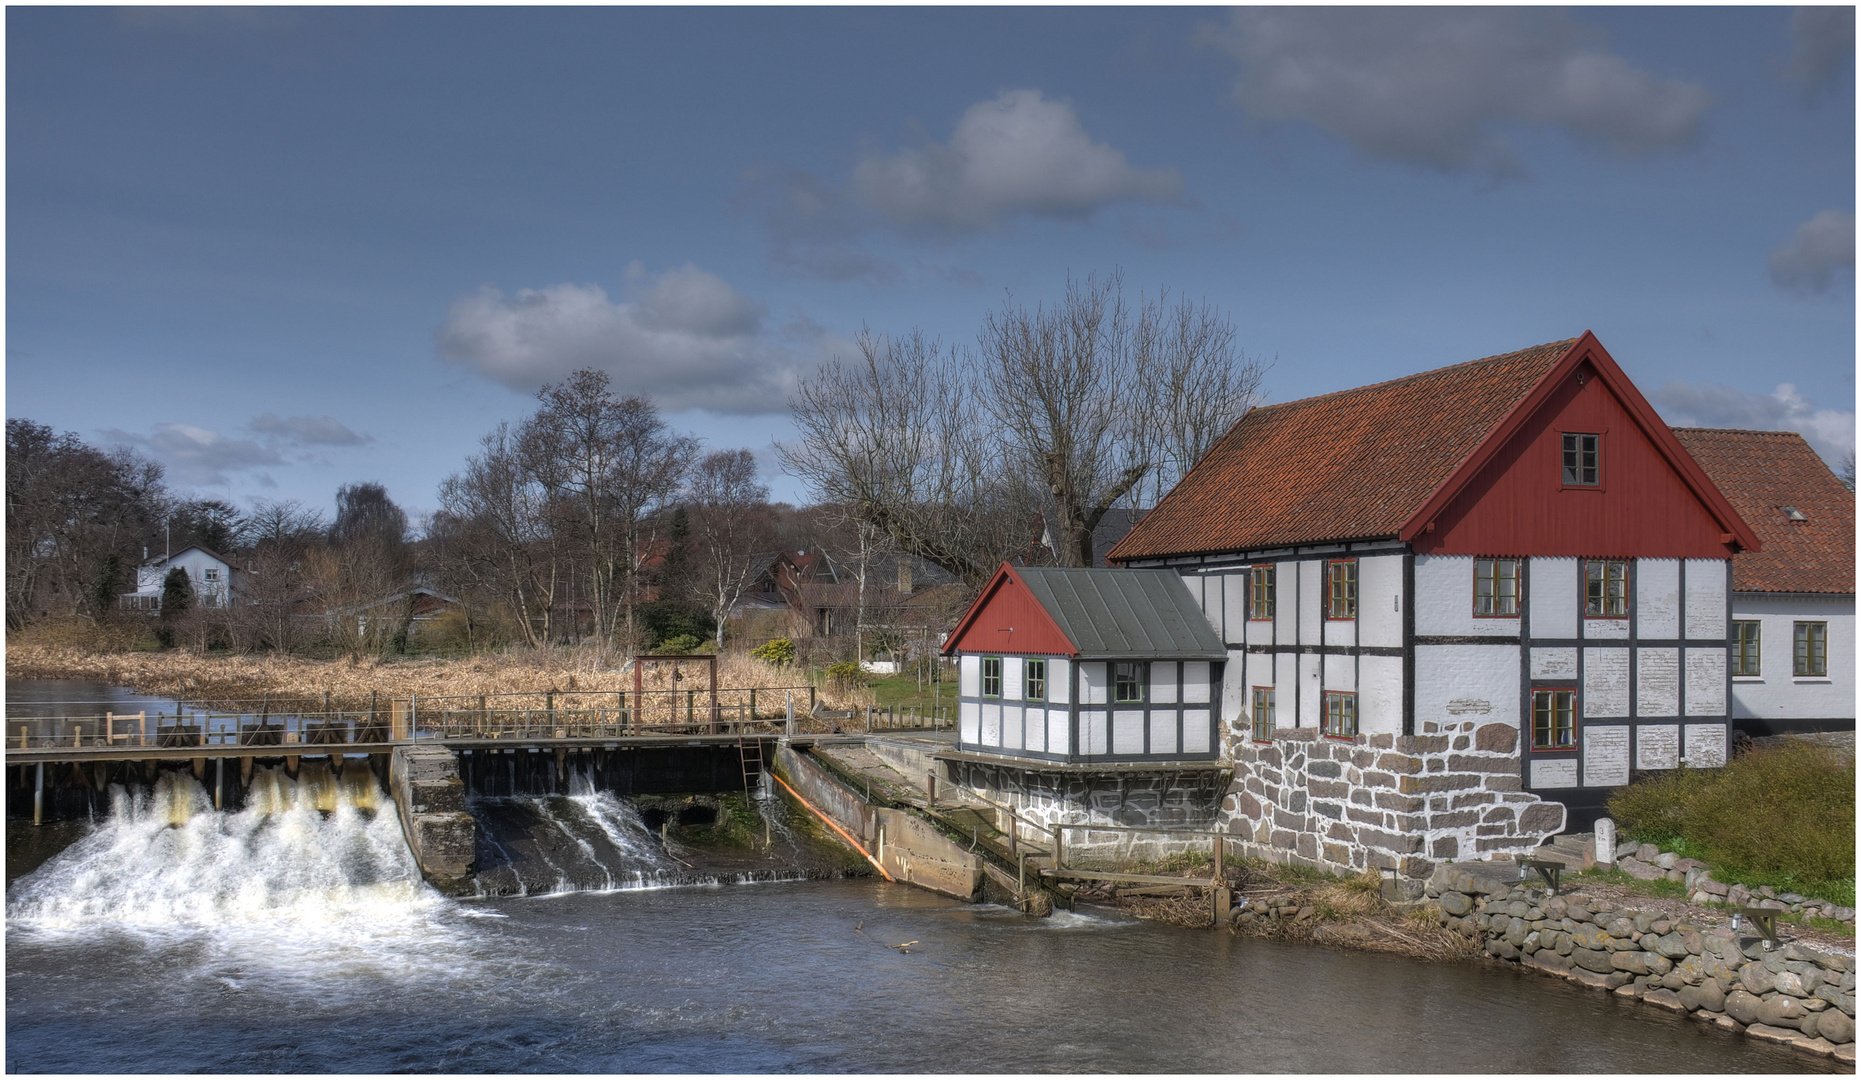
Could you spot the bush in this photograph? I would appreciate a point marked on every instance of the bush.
(680, 643)
(844, 674)
(780, 652)
(1781, 816)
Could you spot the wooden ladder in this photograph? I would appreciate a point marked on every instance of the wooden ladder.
(749, 755)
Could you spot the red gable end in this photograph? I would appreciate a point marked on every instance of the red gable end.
(1007, 619)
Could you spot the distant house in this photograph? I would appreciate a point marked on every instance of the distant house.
(419, 606)
(208, 573)
(903, 596)
(1793, 603)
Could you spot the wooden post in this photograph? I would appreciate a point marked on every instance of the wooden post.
(38, 795)
(930, 786)
(752, 703)
(1058, 858)
(219, 780)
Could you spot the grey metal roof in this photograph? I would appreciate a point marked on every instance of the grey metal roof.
(1114, 612)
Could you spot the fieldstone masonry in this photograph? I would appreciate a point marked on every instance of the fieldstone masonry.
(1387, 802)
(1186, 799)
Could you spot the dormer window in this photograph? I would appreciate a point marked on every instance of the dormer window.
(1797, 517)
(1582, 460)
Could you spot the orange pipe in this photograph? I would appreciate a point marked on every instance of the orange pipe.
(834, 826)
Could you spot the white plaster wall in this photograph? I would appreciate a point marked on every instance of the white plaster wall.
(1163, 682)
(1127, 731)
(1236, 694)
(1196, 682)
(1310, 598)
(969, 722)
(1344, 631)
(1340, 673)
(1379, 695)
(1261, 631)
(1094, 734)
(1013, 668)
(1163, 731)
(1605, 629)
(1059, 684)
(1553, 596)
(1605, 683)
(1657, 682)
(1285, 678)
(1553, 664)
(1776, 692)
(1706, 598)
(1234, 608)
(1380, 600)
(1444, 600)
(991, 724)
(1657, 598)
(1034, 722)
(1214, 602)
(1706, 681)
(969, 677)
(1285, 601)
(1467, 682)
(1011, 726)
(1092, 683)
(1310, 700)
(1195, 731)
(1058, 737)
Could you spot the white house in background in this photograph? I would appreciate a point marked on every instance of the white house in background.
(210, 575)
(1793, 603)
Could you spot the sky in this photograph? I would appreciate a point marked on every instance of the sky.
(284, 249)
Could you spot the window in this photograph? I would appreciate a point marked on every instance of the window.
(1260, 595)
(991, 676)
(1341, 589)
(1127, 682)
(1036, 685)
(210, 574)
(1263, 714)
(1812, 648)
(1340, 719)
(1582, 460)
(1553, 719)
(1746, 637)
(1496, 587)
(1605, 589)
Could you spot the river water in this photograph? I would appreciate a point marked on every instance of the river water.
(295, 935)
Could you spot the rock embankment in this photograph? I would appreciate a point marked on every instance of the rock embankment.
(1791, 993)
(1645, 862)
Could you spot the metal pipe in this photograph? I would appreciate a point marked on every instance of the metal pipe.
(38, 796)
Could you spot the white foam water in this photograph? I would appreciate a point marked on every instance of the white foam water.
(311, 871)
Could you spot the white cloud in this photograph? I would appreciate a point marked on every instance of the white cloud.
(1830, 431)
(1432, 87)
(1822, 41)
(1815, 251)
(199, 456)
(1017, 155)
(687, 338)
(309, 430)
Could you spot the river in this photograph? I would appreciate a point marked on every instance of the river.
(295, 935)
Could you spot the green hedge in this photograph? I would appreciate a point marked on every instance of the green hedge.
(1782, 816)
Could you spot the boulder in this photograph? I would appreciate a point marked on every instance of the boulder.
(1836, 1026)
(1647, 853)
(1642, 871)
(1671, 945)
(1706, 995)
(1666, 999)
(1635, 963)
(1456, 903)
(1742, 1006)
(1666, 860)
(1780, 1011)
(1757, 978)
(1593, 960)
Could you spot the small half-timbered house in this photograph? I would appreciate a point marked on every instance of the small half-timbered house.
(1459, 608)
(1088, 665)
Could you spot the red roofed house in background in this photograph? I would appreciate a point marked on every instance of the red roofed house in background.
(1460, 608)
(1793, 603)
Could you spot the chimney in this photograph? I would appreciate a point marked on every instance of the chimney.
(904, 578)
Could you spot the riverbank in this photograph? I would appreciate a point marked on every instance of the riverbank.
(214, 680)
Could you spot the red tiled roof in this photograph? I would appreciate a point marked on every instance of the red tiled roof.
(1354, 464)
(1762, 471)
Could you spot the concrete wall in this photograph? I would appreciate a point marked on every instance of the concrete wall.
(431, 799)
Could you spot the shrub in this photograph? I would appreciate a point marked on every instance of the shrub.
(680, 643)
(1781, 816)
(780, 652)
(844, 674)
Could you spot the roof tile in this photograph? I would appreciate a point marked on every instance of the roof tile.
(1761, 472)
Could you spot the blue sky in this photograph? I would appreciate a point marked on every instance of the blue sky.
(285, 249)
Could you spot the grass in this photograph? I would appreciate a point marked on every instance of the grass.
(1658, 887)
(1782, 816)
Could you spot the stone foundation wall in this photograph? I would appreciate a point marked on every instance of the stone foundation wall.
(1385, 802)
(1186, 801)
(1792, 993)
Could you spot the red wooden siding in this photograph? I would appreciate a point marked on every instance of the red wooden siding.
(1007, 619)
(1517, 503)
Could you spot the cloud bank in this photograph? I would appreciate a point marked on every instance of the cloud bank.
(1830, 431)
(1018, 155)
(308, 430)
(1434, 87)
(205, 457)
(686, 337)
(1819, 247)
(1822, 42)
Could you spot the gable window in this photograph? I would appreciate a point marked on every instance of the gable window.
(210, 574)
(1127, 684)
(1260, 593)
(1747, 635)
(1812, 649)
(1553, 719)
(1036, 685)
(1582, 460)
(991, 676)
(1340, 719)
(1341, 589)
(1496, 587)
(1605, 589)
(1263, 714)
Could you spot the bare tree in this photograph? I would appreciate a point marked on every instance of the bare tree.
(731, 526)
(1847, 472)
(894, 436)
(1095, 399)
(501, 540)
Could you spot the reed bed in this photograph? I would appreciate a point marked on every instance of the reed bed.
(223, 679)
